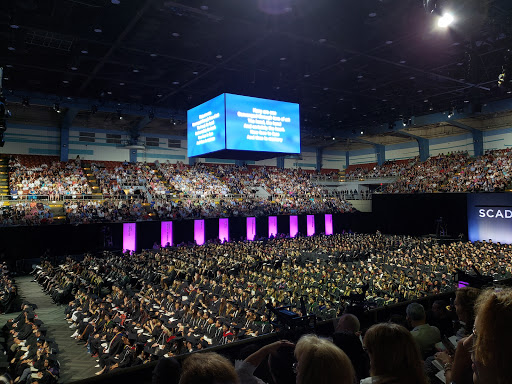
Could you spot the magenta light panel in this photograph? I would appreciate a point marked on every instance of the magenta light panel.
(199, 232)
(251, 228)
(328, 224)
(294, 226)
(129, 236)
(272, 226)
(311, 225)
(166, 233)
(223, 230)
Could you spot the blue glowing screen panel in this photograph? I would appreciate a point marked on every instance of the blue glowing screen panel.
(254, 124)
(242, 123)
(490, 217)
(206, 127)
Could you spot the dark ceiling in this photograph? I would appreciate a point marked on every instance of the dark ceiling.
(350, 64)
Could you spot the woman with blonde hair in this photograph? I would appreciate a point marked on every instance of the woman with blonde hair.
(319, 361)
(394, 356)
(491, 339)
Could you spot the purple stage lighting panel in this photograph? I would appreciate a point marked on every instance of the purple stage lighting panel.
(223, 230)
(294, 226)
(311, 225)
(129, 236)
(199, 232)
(328, 224)
(251, 228)
(166, 233)
(272, 226)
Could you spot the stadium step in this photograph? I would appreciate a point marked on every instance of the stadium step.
(4, 176)
(91, 179)
(57, 208)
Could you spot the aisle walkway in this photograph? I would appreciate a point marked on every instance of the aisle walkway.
(75, 362)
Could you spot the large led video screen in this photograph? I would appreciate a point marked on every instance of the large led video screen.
(241, 123)
(206, 127)
(490, 217)
(254, 124)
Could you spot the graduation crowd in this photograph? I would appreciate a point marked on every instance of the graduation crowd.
(32, 354)
(131, 309)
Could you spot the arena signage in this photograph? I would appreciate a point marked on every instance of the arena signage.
(495, 213)
(490, 217)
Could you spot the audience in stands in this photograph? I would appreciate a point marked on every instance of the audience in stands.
(26, 213)
(56, 180)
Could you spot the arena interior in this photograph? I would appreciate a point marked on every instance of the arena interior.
(258, 191)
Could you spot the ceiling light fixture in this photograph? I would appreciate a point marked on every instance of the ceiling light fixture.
(445, 20)
(97, 29)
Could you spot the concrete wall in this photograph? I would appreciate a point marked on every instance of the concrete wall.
(498, 139)
(334, 160)
(402, 151)
(452, 144)
(32, 140)
(363, 156)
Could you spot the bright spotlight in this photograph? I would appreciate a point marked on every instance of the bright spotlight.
(445, 21)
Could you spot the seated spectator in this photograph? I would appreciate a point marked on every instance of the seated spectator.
(319, 361)
(208, 368)
(347, 338)
(491, 338)
(440, 318)
(394, 356)
(281, 373)
(425, 335)
(167, 371)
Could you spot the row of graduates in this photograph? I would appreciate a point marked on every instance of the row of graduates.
(32, 354)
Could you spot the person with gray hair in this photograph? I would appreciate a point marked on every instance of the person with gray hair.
(425, 335)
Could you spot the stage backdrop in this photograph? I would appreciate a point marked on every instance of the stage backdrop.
(490, 217)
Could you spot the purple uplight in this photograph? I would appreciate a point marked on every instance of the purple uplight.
(251, 228)
(223, 230)
(311, 225)
(272, 226)
(199, 232)
(129, 237)
(166, 233)
(294, 226)
(328, 224)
